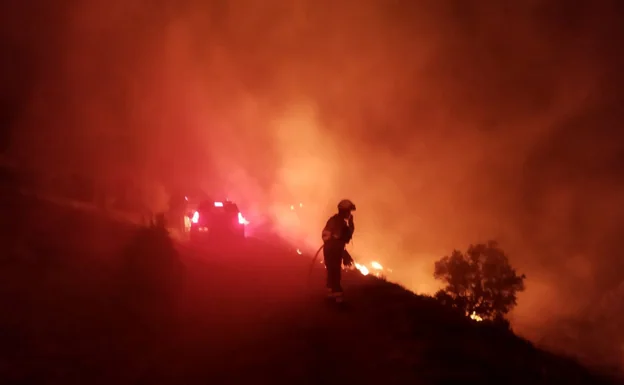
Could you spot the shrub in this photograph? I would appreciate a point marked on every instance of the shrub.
(480, 282)
(152, 270)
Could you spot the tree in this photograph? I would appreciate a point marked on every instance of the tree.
(480, 282)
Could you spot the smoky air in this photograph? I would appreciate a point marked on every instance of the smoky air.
(448, 123)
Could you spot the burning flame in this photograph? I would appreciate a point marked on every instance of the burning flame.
(363, 269)
(475, 317)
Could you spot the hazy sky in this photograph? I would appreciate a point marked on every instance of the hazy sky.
(447, 122)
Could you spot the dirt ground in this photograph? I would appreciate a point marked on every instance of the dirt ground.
(85, 300)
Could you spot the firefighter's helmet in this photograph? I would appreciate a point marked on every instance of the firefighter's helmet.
(346, 204)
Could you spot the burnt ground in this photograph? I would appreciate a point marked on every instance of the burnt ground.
(89, 300)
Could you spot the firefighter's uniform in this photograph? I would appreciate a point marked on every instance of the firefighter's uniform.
(337, 233)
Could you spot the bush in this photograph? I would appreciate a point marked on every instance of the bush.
(480, 282)
(152, 271)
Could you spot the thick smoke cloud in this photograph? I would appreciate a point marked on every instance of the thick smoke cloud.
(446, 122)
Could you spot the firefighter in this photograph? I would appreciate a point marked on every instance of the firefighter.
(336, 235)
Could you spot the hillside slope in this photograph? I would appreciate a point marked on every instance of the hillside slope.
(79, 315)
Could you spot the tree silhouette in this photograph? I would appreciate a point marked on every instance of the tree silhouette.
(480, 282)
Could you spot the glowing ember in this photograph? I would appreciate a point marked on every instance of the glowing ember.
(376, 266)
(475, 317)
(292, 207)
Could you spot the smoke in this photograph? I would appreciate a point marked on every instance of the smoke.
(447, 123)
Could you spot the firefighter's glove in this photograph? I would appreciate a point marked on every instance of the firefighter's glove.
(346, 259)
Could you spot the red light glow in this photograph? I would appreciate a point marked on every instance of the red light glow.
(242, 220)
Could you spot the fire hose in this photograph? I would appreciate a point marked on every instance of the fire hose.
(315, 258)
(314, 261)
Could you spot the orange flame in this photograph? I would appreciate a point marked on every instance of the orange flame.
(363, 269)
